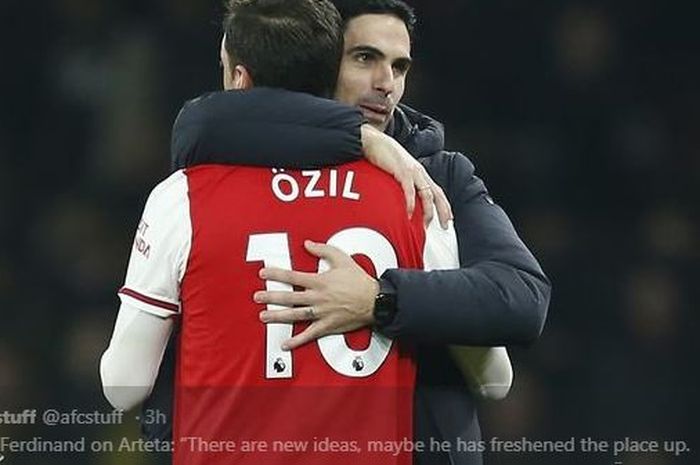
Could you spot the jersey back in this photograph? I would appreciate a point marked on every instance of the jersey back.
(240, 398)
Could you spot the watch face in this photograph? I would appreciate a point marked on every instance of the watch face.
(384, 308)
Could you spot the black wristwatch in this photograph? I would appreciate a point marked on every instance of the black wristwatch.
(384, 304)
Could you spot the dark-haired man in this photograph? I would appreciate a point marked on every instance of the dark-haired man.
(500, 296)
(239, 397)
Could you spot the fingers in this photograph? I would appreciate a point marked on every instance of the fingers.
(295, 278)
(406, 176)
(333, 255)
(284, 298)
(432, 198)
(426, 198)
(290, 315)
(424, 185)
(444, 210)
(313, 332)
(409, 192)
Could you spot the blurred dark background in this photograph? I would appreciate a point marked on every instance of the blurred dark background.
(582, 117)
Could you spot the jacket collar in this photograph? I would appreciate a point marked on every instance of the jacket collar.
(420, 134)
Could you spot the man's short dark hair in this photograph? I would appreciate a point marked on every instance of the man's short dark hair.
(350, 9)
(291, 44)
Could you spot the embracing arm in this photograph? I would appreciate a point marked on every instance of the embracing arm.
(266, 127)
(279, 128)
(499, 296)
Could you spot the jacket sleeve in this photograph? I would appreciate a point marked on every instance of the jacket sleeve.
(499, 296)
(265, 127)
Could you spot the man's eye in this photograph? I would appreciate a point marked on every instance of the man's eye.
(363, 57)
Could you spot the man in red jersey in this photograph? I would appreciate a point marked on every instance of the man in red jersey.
(240, 397)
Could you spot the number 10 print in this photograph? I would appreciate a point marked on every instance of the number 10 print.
(273, 250)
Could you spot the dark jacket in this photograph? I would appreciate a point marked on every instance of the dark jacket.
(498, 297)
(264, 127)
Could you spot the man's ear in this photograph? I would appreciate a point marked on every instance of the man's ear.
(242, 80)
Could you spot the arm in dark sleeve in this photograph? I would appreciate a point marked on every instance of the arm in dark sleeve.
(498, 297)
(266, 127)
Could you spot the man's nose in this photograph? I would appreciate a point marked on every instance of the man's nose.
(384, 79)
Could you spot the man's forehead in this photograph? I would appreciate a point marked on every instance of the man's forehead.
(384, 32)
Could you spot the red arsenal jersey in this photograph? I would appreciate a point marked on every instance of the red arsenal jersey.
(240, 399)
